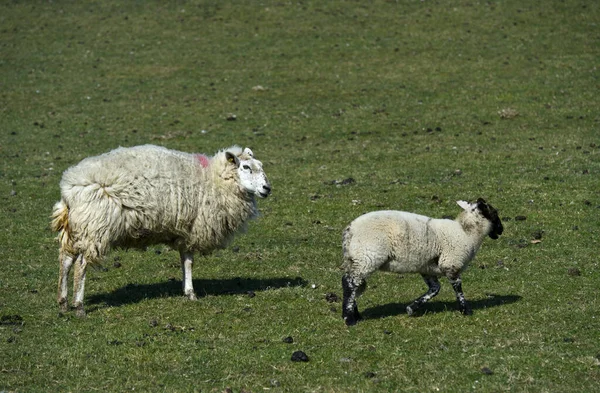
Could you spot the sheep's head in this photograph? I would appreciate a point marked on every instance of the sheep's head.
(252, 177)
(488, 212)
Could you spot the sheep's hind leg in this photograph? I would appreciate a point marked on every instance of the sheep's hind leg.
(187, 260)
(352, 288)
(463, 306)
(434, 288)
(79, 285)
(65, 263)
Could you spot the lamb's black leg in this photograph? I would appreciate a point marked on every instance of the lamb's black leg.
(463, 306)
(434, 288)
(351, 289)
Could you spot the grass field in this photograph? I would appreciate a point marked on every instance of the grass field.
(420, 103)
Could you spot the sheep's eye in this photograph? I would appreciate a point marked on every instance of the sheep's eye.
(246, 167)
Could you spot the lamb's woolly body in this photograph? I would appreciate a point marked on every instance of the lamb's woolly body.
(132, 197)
(404, 242)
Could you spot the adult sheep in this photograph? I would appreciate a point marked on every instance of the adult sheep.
(138, 196)
(404, 242)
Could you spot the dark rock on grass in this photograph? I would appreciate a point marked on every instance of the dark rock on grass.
(573, 271)
(520, 218)
(537, 235)
(343, 182)
(11, 320)
(288, 340)
(299, 356)
(331, 297)
(486, 371)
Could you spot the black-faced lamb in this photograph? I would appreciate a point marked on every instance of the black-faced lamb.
(139, 196)
(404, 242)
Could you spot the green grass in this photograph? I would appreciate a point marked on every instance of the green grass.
(404, 97)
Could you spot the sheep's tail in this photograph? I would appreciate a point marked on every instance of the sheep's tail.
(60, 224)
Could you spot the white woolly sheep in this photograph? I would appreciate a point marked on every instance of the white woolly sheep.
(404, 242)
(143, 195)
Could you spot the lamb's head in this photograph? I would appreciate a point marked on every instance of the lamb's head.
(250, 171)
(482, 209)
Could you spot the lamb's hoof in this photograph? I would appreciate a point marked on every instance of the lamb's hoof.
(466, 311)
(350, 321)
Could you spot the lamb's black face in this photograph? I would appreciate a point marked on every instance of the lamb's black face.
(491, 214)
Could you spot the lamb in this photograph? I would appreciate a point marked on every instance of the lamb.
(139, 196)
(404, 242)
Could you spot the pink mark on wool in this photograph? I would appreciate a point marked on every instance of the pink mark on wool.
(203, 160)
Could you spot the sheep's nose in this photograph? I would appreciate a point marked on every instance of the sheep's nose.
(267, 188)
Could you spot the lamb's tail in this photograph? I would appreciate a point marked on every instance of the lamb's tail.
(346, 237)
(60, 224)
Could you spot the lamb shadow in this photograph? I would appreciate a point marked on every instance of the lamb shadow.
(392, 309)
(134, 293)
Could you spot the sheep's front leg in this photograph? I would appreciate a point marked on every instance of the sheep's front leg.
(434, 288)
(65, 263)
(463, 306)
(187, 260)
(79, 285)
(351, 289)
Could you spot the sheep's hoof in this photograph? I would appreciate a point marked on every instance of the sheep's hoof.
(192, 296)
(79, 311)
(63, 306)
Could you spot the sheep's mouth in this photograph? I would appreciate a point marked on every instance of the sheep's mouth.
(263, 195)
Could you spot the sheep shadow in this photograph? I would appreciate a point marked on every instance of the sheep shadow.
(134, 293)
(392, 309)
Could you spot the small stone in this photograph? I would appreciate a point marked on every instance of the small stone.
(331, 297)
(573, 271)
(299, 356)
(231, 117)
(520, 218)
(288, 340)
(486, 371)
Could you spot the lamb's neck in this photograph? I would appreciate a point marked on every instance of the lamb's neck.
(474, 229)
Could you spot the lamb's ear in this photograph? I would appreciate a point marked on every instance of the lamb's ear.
(232, 158)
(248, 152)
(464, 205)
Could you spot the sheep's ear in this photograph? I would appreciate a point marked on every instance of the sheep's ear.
(248, 152)
(464, 205)
(232, 158)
